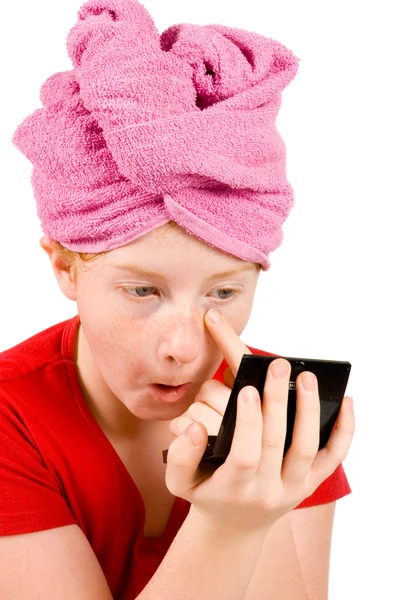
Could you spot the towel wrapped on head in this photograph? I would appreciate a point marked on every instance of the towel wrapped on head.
(146, 129)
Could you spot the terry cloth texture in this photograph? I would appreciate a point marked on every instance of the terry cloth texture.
(148, 128)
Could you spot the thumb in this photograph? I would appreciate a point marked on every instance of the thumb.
(194, 432)
(183, 458)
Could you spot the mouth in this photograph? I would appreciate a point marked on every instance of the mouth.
(170, 393)
(167, 386)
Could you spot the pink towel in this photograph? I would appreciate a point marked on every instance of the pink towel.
(146, 129)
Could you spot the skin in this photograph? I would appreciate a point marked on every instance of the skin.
(124, 345)
(129, 339)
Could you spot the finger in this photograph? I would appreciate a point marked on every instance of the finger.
(208, 408)
(332, 455)
(178, 425)
(183, 458)
(201, 413)
(229, 378)
(305, 439)
(244, 456)
(274, 409)
(214, 394)
(227, 340)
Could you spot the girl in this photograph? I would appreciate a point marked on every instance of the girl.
(160, 181)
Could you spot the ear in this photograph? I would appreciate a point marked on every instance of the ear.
(63, 274)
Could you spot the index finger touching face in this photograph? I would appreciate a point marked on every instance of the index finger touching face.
(226, 339)
(228, 377)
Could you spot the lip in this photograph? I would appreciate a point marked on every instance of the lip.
(170, 394)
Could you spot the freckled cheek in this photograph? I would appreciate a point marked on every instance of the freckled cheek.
(237, 318)
(149, 330)
(120, 355)
(238, 325)
(132, 333)
(129, 333)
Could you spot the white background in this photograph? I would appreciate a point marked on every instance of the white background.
(331, 290)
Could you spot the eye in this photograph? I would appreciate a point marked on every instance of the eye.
(140, 287)
(145, 288)
(228, 290)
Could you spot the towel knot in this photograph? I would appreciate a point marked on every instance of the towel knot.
(149, 128)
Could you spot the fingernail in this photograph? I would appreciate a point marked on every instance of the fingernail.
(348, 400)
(308, 381)
(279, 370)
(250, 395)
(213, 316)
(194, 434)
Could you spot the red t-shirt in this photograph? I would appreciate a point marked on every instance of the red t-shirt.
(58, 468)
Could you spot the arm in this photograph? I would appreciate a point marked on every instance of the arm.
(54, 563)
(294, 559)
(205, 562)
(202, 563)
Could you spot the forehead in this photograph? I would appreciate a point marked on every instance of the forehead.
(168, 246)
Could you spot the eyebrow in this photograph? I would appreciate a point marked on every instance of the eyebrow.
(136, 268)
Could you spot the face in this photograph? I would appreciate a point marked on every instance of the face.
(138, 328)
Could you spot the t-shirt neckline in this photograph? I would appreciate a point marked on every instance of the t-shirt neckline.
(67, 349)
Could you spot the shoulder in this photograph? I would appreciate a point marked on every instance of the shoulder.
(33, 353)
(31, 378)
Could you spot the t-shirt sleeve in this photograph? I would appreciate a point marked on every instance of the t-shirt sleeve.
(334, 487)
(30, 496)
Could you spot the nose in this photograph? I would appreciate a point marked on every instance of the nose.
(182, 338)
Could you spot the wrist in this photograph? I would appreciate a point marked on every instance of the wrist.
(217, 528)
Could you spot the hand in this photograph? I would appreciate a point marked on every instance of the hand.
(209, 406)
(255, 486)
